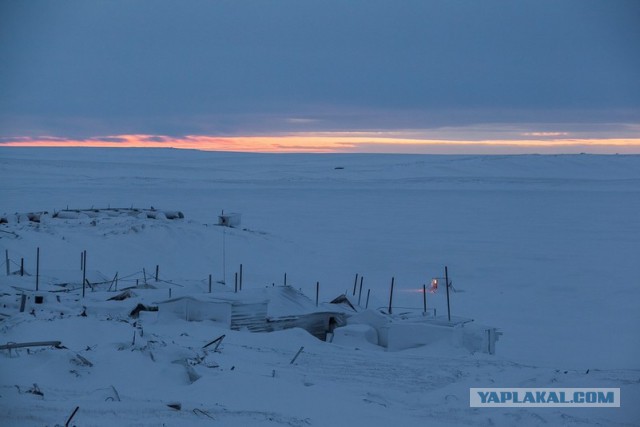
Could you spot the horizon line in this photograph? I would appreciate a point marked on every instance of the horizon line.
(343, 142)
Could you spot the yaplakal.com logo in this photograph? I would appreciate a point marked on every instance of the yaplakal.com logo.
(544, 397)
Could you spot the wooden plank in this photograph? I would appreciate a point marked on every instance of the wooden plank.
(10, 346)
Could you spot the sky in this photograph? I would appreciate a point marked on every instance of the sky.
(329, 76)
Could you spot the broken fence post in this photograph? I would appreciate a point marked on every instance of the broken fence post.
(71, 416)
(296, 356)
(115, 278)
(217, 342)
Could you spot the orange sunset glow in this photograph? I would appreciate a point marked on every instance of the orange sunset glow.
(333, 142)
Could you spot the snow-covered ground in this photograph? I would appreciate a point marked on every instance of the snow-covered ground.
(543, 247)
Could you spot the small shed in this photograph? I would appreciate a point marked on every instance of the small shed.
(229, 219)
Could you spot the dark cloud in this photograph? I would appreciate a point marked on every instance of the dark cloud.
(231, 67)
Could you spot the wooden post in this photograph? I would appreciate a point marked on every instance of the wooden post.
(296, 356)
(169, 292)
(157, 271)
(37, 268)
(21, 266)
(236, 282)
(368, 293)
(6, 259)
(116, 281)
(424, 299)
(144, 274)
(84, 271)
(360, 291)
(81, 260)
(446, 280)
(355, 283)
(224, 254)
(209, 283)
(23, 301)
(240, 282)
(391, 294)
(317, 292)
(285, 279)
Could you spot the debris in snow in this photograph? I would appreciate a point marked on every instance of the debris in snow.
(175, 405)
(35, 390)
(81, 361)
(296, 356)
(141, 307)
(217, 342)
(71, 416)
(122, 296)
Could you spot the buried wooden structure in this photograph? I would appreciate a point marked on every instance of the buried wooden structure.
(260, 310)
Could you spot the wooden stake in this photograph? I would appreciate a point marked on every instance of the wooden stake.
(84, 271)
(296, 356)
(6, 260)
(317, 292)
(355, 283)
(285, 279)
(37, 268)
(360, 291)
(81, 260)
(240, 285)
(236, 282)
(424, 299)
(446, 280)
(21, 267)
(391, 293)
(144, 274)
(157, 271)
(71, 416)
(368, 293)
(209, 283)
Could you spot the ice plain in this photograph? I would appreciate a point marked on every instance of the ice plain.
(543, 247)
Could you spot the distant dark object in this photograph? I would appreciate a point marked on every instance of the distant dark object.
(339, 167)
(39, 299)
(177, 406)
